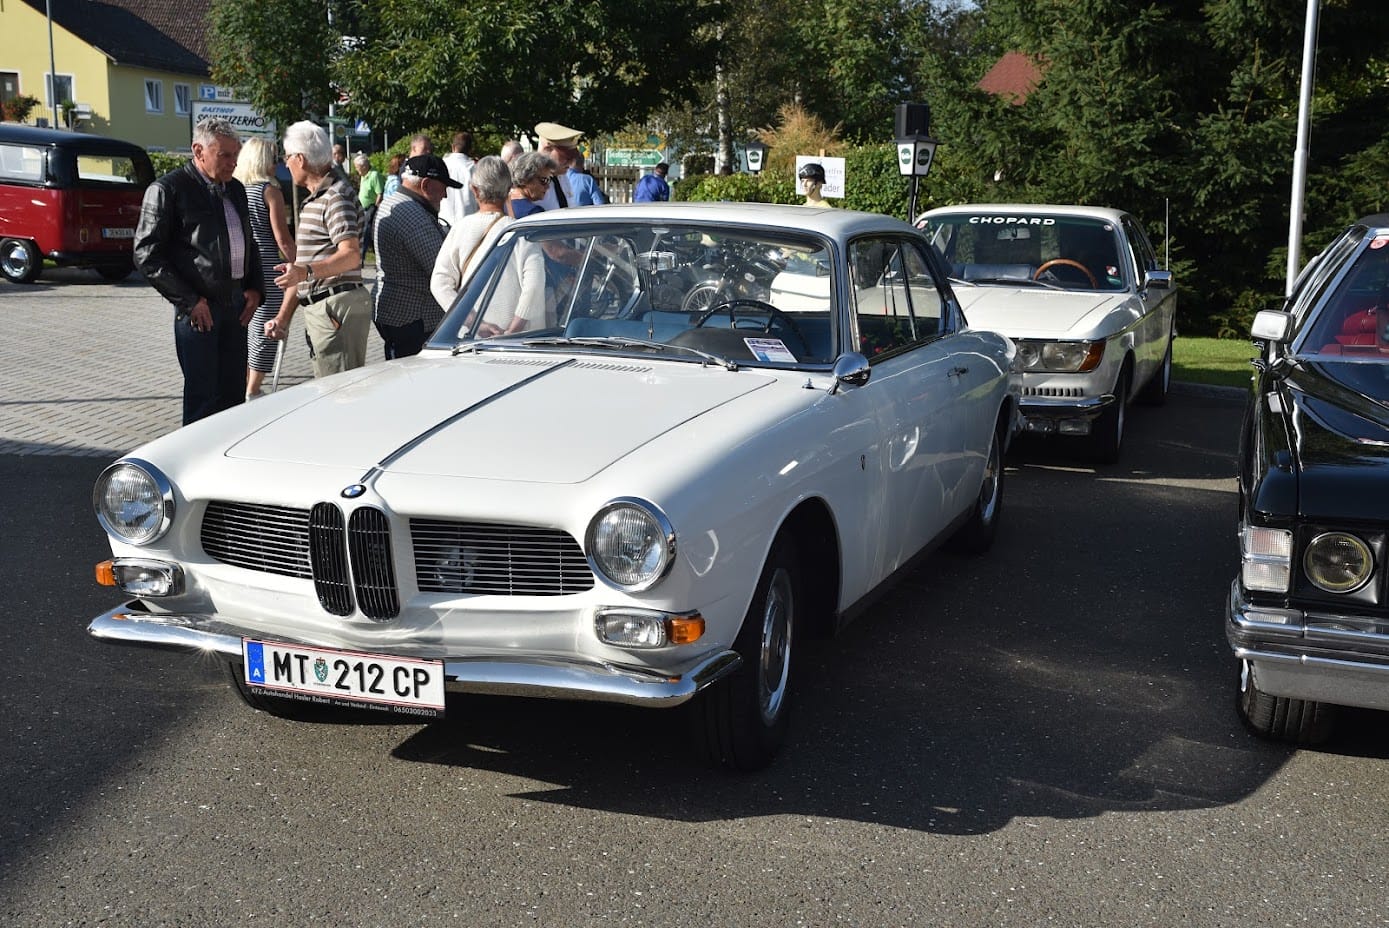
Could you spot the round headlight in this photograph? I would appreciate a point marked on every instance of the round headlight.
(134, 502)
(630, 544)
(1338, 563)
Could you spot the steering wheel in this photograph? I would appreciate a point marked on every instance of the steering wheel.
(761, 306)
(1067, 262)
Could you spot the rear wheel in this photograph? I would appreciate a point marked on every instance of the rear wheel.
(1282, 718)
(1154, 392)
(977, 535)
(743, 717)
(115, 272)
(20, 260)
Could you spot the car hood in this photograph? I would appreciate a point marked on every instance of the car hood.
(1340, 415)
(1032, 312)
(493, 416)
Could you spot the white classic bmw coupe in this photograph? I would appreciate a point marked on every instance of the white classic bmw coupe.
(710, 430)
(1080, 290)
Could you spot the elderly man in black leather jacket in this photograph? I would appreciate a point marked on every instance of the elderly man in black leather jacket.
(194, 245)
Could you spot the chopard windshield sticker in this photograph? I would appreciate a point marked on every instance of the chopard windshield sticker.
(1380, 242)
(771, 350)
(1011, 220)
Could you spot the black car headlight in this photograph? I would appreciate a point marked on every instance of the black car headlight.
(1338, 563)
(630, 544)
(1060, 357)
(134, 502)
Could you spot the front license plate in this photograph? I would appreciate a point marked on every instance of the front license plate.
(346, 678)
(117, 233)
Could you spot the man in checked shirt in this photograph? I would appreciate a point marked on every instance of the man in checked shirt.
(408, 238)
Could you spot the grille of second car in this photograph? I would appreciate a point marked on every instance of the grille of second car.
(502, 560)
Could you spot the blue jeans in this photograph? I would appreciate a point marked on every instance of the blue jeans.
(213, 363)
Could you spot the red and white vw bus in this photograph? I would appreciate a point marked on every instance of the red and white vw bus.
(69, 198)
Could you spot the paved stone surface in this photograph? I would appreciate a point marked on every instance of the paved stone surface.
(88, 368)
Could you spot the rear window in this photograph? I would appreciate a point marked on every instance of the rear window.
(22, 163)
(108, 169)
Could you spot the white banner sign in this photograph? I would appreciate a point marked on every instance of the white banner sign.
(834, 174)
(243, 117)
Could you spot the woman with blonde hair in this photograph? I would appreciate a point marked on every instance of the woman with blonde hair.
(255, 168)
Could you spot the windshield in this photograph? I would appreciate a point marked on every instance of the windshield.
(750, 297)
(1352, 320)
(1013, 249)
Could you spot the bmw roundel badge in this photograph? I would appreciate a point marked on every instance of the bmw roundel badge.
(353, 491)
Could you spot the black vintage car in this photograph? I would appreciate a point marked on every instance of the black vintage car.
(1308, 615)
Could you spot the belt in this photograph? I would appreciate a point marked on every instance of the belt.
(330, 291)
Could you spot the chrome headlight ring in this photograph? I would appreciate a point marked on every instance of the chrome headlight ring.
(1338, 562)
(134, 501)
(630, 544)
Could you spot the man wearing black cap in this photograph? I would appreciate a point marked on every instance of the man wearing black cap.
(408, 238)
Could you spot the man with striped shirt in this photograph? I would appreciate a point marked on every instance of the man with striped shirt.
(326, 276)
(408, 238)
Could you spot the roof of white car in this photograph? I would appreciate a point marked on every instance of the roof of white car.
(1029, 209)
(834, 223)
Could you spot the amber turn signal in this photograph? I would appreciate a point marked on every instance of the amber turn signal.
(685, 629)
(105, 573)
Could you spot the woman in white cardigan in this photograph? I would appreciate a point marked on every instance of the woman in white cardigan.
(519, 302)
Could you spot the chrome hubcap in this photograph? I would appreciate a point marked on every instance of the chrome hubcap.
(988, 492)
(15, 259)
(774, 665)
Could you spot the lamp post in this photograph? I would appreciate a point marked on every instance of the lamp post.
(915, 153)
(755, 152)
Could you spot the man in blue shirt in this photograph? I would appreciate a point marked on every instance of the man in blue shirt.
(652, 188)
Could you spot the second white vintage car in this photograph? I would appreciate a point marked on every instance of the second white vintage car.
(639, 496)
(1080, 290)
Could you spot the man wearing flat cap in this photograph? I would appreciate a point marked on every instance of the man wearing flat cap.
(408, 239)
(571, 186)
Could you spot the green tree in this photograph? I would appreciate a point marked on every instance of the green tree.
(277, 52)
(591, 64)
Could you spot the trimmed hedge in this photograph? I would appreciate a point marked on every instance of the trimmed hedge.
(873, 182)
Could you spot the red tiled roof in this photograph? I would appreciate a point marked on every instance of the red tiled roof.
(1012, 77)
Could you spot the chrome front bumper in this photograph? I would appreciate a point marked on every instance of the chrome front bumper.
(1064, 407)
(545, 678)
(1337, 659)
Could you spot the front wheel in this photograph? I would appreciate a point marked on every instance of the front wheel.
(20, 260)
(1107, 436)
(743, 718)
(1282, 718)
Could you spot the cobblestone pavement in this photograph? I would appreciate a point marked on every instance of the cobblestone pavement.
(88, 368)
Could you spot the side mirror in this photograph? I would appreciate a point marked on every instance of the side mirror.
(1272, 325)
(1160, 280)
(851, 369)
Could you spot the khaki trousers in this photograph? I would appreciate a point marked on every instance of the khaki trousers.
(338, 328)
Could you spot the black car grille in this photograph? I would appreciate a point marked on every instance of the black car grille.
(502, 560)
(351, 563)
(272, 539)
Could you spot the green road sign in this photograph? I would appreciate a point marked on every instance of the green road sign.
(633, 158)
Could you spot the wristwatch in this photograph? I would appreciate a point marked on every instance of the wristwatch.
(308, 273)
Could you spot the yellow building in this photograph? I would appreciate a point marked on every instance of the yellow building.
(129, 69)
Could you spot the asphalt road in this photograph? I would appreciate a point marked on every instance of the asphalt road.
(1041, 736)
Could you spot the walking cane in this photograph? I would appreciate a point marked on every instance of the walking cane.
(275, 375)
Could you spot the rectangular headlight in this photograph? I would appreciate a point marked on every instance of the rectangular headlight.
(139, 577)
(1266, 557)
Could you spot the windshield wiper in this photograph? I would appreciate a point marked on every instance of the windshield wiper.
(1017, 281)
(610, 341)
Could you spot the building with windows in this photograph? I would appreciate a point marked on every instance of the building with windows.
(129, 69)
